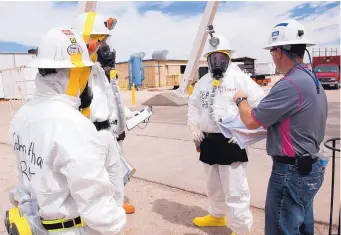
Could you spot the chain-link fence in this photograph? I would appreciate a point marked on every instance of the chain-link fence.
(17, 84)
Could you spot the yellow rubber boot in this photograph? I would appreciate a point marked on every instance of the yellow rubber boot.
(210, 221)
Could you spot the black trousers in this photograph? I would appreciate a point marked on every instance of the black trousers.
(215, 149)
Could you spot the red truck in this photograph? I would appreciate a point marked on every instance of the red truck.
(327, 69)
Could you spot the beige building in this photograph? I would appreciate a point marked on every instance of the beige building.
(157, 73)
(161, 73)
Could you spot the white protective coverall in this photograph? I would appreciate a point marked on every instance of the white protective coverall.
(61, 159)
(119, 109)
(101, 110)
(228, 191)
(116, 112)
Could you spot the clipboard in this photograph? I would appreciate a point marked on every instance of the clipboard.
(141, 117)
(128, 171)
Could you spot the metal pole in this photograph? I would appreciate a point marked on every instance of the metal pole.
(158, 69)
(338, 229)
(332, 191)
(198, 46)
(130, 75)
(86, 6)
(90, 6)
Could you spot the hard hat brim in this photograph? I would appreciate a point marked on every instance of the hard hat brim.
(52, 64)
(293, 42)
(98, 33)
(208, 53)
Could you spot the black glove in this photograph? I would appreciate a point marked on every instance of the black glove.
(121, 136)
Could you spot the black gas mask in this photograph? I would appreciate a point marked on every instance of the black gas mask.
(106, 56)
(218, 63)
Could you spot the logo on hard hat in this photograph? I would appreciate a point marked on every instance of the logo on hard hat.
(68, 32)
(275, 35)
(74, 49)
(73, 40)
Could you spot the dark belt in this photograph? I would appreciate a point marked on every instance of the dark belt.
(206, 134)
(304, 163)
(63, 225)
(105, 125)
(102, 125)
(289, 160)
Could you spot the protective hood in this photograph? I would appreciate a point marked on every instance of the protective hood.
(100, 87)
(55, 86)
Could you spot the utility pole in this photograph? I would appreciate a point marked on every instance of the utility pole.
(198, 46)
(86, 6)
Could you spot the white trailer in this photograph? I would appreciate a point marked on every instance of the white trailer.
(266, 69)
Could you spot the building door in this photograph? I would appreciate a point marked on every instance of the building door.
(182, 69)
(202, 71)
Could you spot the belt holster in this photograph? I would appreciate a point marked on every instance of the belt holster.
(305, 164)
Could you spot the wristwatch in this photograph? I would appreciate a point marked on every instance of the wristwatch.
(240, 99)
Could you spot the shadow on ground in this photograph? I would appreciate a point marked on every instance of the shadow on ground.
(126, 199)
(180, 214)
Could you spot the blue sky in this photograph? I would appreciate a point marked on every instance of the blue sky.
(172, 8)
(197, 7)
(304, 10)
(183, 13)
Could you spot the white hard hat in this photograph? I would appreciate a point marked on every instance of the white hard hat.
(94, 24)
(223, 45)
(61, 48)
(289, 32)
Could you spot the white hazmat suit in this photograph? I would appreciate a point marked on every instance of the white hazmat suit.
(61, 158)
(101, 110)
(228, 191)
(234, 80)
(96, 32)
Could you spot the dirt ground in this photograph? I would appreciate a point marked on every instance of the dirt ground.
(166, 194)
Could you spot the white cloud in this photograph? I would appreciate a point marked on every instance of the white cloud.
(315, 4)
(247, 27)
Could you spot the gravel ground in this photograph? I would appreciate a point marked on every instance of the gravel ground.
(162, 210)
